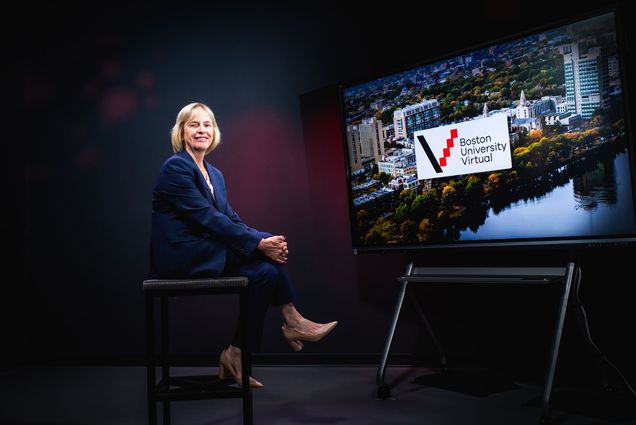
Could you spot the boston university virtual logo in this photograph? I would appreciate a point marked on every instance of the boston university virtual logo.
(463, 148)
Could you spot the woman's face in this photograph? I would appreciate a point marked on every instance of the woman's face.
(198, 131)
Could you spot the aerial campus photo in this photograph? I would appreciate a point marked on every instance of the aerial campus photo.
(563, 167)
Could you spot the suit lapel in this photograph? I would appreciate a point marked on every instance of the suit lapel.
(206, 189)
(216, 184)
(200, 180)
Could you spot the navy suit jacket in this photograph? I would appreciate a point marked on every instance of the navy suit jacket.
(191, 230)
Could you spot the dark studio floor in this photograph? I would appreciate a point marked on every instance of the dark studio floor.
(339, 395)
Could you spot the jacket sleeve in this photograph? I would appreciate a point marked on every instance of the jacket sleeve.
(233, 215)
(176, 185)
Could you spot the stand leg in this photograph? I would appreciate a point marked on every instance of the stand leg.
(383, 389)
(429, 329)
(549, 380)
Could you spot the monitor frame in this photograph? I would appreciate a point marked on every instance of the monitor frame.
(567, 242)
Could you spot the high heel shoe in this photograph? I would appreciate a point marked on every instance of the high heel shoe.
(294, 344)
(295, 335)
(227, 366)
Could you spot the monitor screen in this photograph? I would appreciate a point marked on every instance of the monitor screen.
(524, 141)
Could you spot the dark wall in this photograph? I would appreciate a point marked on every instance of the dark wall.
(96, 96)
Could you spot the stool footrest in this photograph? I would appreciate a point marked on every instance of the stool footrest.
(198, 387)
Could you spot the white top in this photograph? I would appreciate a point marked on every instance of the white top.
(207, 180)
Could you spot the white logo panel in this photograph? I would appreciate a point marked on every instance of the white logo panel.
(463, 148)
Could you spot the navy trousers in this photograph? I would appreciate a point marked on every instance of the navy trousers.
(269, 284)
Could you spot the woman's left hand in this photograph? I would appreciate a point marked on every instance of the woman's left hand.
(274, 248)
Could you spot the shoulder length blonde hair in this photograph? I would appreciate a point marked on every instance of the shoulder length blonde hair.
(176, 134)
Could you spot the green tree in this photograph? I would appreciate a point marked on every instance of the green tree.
(382, 231)
(474, 190)
(387, 115)
(384, 178)
(408, 230)
(402, 212)
(449, 195)
(407, 196)
(424, 230)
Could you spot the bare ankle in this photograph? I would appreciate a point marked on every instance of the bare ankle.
(233, 351)
(291, 316)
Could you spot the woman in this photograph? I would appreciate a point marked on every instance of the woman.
(196, 234)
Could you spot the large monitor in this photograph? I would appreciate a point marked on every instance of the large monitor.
(522, 142)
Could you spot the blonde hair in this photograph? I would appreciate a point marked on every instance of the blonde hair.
(176, 134)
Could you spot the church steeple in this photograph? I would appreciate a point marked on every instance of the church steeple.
(485, 111)
(522, 100)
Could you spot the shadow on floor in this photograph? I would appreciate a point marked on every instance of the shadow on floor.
(607, 405)
(474, 382)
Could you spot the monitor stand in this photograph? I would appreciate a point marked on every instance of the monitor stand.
(487, 275)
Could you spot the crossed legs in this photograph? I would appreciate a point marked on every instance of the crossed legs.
(269, 285)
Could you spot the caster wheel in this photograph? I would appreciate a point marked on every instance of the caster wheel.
(384, 391)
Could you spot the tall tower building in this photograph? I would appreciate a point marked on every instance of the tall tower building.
(412, 118)
(372, 138)
(353, 143)
(586, 79)
(365, 142)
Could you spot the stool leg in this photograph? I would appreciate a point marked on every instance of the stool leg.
(165, 356)
(165, 341)
(246, 357)
(166, 413)
(150, 360)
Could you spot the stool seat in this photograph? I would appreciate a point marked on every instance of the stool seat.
(179, 388)
(231, 282)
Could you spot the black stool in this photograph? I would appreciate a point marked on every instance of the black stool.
(201, 387)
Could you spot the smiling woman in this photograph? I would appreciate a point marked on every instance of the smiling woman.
(201, 136)
(196, 234)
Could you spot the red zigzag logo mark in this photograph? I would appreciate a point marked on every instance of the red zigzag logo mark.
(449, 144)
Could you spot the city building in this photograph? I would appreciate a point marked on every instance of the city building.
(416, 117)
(365, 142)
(586, 79)
(532, 109)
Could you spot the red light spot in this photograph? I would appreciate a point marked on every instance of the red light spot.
(118, 106)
